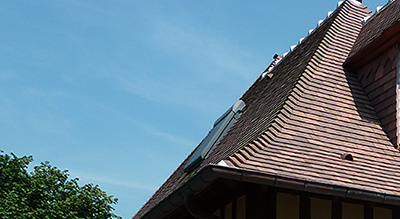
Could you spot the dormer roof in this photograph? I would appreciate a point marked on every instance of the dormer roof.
(379, 32)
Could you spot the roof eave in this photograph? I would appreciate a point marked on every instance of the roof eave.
(212, 173)
(377, 47)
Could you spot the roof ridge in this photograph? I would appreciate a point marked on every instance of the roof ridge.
(307, 124)
(310, 32)
(378, 11)
(331, 16)
(319, 55)
(372, 31)
(274, 63)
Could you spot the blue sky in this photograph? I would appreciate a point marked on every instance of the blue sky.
(120, 92)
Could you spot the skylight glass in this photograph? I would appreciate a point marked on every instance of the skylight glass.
(220, 128)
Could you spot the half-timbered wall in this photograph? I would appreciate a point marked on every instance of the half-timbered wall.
(301, 206)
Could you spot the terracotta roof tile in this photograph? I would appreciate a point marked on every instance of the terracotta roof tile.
(326, 121)
(376, 25)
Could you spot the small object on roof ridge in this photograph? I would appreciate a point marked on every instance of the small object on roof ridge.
(329, 14)
(285, 54)
(301, 40)
(379, 9)
(277, 58)
(339, 3)
(365, 20)
(310, 31)
(292, 48)
(359, 2)
(320, 23)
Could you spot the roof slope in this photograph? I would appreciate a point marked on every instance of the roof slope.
(300, 121)
(327, 115)
(258, 113)
(376, 25)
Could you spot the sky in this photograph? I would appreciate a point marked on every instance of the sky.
(120, 92)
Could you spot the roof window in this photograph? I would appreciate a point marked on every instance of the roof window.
(220, 128)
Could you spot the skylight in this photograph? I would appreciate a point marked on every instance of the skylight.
(220, 128)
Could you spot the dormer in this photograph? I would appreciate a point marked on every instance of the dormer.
(375, 57)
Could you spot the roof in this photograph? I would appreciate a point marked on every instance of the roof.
(299, 122)
(376, 49)
(375, 25)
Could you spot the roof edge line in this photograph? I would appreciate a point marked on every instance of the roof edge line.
(354, 61)
(377, 12)
(293, 96)
(212, 173)
(310, 32)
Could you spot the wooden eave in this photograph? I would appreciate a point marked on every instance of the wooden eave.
(384, 42)
(213, 173)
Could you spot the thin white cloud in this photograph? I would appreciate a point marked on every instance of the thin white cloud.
(35, 93)
(169, 92)
(167, 136)
(38, 117)
(212, 63)
(102, 179)
(198, 48)
(144, 126)
(47, 121)
(151, 130)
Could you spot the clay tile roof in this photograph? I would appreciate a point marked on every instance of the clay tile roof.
(376, 25)
(301, 122)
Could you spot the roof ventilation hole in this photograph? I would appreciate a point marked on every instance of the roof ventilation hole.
(347, 156)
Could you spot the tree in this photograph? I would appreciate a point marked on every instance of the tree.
(48, 193)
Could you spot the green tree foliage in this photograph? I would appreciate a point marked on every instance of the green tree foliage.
(47, 193)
